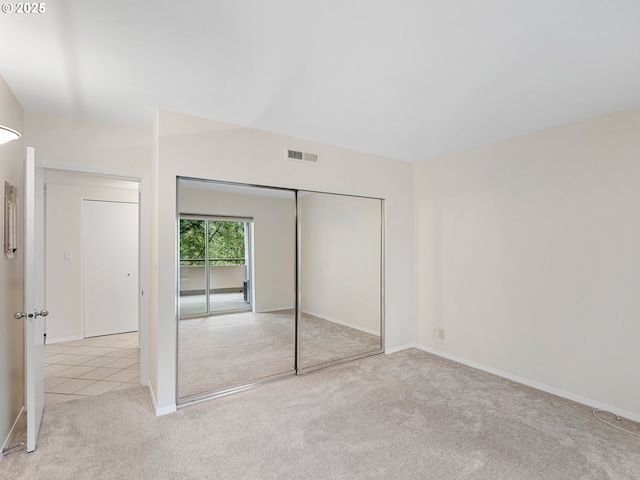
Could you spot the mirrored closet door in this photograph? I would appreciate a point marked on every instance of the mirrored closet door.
(236, 287)
(340, 258)
(273, 282)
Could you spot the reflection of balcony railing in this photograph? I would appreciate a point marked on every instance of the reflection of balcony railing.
(200, 262)
(193, 278)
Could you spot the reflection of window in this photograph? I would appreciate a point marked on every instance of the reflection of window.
(10, 220)
(192, 242)
(226, 243)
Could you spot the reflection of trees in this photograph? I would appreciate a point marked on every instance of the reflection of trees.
(226, 240)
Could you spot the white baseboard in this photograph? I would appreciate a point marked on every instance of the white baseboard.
(64, 339)
(159, 411)
(166, 410)
(398, 349)
(539, 386)
(7, 441)
(269, 310)
(340, 322)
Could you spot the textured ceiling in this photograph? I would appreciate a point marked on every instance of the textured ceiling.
(406, 79)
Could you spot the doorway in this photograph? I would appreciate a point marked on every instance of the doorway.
(215, 265)
(77, 365)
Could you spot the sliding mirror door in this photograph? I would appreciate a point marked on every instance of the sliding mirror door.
(341, 272)
(236, 288)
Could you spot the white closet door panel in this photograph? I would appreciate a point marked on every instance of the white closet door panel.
(125, 226)
(98, 266)
(110, 267)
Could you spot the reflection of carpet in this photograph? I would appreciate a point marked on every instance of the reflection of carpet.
(226, 350)
(323, 341)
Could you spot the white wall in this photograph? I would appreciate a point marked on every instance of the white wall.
(340, 259)
(63, 141)
(528, 257)
(11, 273)
(273, 239)
(64, 234)
(201, 148)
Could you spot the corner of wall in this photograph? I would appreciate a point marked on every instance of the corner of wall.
(159, 411)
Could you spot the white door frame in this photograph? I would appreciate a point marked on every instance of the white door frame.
(144, 238)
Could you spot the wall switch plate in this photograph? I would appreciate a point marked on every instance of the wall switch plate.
(68, 256)
(441, 334)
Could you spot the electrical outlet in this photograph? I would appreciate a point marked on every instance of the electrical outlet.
(441, 334)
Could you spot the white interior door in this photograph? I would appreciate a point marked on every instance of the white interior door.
(110, 267)
(34, 312)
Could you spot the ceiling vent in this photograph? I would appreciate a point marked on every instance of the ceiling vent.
(302, 156)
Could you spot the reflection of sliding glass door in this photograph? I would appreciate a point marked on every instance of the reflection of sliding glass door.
(214, 265)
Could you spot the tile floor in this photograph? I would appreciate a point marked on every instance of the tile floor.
(90, 367)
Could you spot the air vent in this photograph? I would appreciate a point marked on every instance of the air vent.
(302, 156)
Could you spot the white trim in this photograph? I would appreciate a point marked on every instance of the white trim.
(268, 310)
(144, 204)
(399, 348)
(166, 410)
(539, 386)
(110, 172)
(73, 338)
(341, 322)
(159, 411)
(7, 442)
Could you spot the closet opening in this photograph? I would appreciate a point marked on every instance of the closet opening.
(307, 292)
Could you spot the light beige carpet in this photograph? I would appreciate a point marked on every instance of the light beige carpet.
(226, 350)
(409, 415)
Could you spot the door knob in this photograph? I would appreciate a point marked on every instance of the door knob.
(19, 315)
